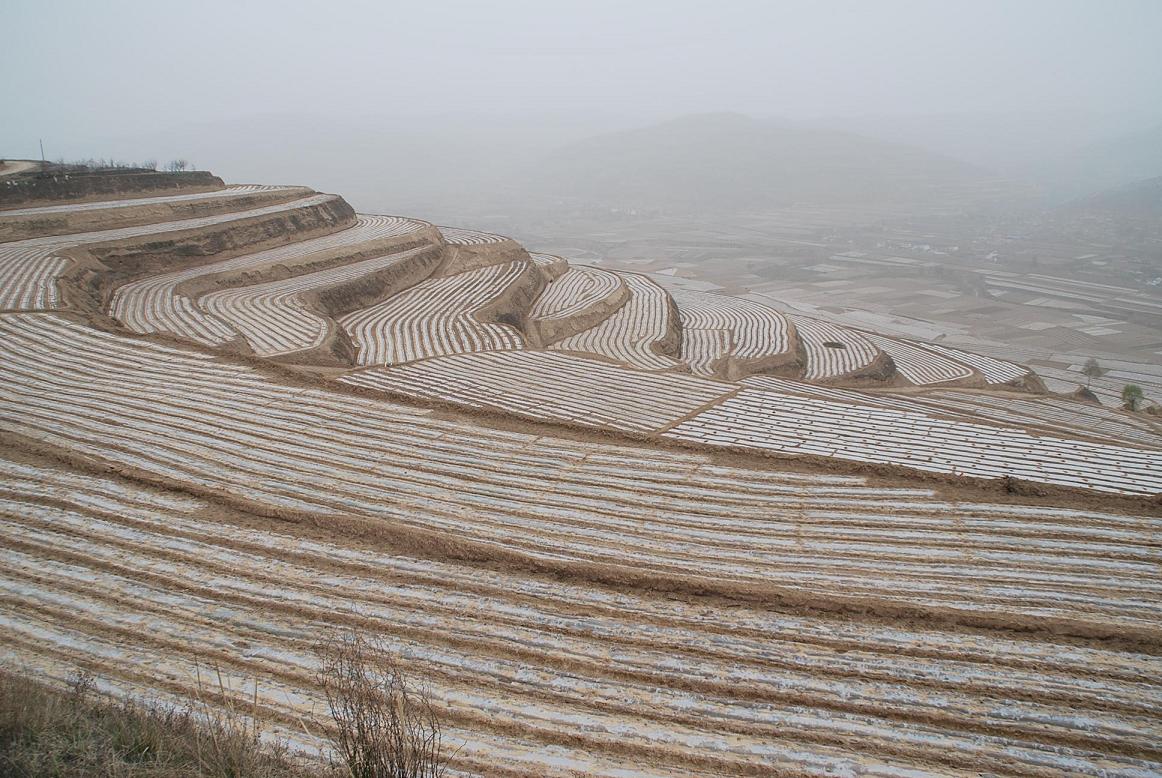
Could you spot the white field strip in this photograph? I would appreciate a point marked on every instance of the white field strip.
(226, 430)
(851, 352)
(702, 348)
(756, 330)
(28, 279)
(29, 268)
(995, 371)
(796, 425)
(631, 334)
(153, 305)
(551, 387)
(144, 588)
(918, 365)
(436, 317)
(851, 396)
(455, 236)
(1069, 416)
(575, 293)
(275, 319)
(1066, 416)
(548, 261)
(236, 190)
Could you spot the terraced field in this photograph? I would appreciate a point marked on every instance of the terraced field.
(1034, 413)
(155, 304)
(995, 371)
(1062, 416)
(28, 278)
(460, 237)
(918, 365)
(729, 327)
(832, 351)
(551, 264)
(603, 564)
(575, 298)
(635, 334)
(790, 423)
(560, 677)
(436, 317)
(276, 318)
(29, 269)
(548, 386)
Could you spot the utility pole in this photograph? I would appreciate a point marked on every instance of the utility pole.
(42, 150)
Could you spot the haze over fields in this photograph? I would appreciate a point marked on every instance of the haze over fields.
(455, 103)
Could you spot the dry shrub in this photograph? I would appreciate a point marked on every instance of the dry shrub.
(386, 725)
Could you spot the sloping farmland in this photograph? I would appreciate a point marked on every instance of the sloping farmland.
(578, 606)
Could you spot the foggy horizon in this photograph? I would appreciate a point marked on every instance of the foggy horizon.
(79, 76)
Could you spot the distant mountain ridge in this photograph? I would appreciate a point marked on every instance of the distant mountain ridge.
(730, 161)
(1109, 164)
(1139, 199)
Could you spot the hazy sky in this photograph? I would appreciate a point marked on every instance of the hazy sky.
(111, 68)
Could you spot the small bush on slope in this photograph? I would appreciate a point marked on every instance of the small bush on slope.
(386, 724)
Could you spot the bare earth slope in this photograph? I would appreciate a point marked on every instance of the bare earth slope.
(592, 556)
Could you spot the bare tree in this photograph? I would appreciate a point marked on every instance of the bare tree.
(1091, 370)
(386, 726)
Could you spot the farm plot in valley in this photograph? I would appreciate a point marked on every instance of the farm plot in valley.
(549, 386)
(437, 317)
(536, 676)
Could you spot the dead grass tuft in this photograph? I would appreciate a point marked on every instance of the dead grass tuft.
(73, 732)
